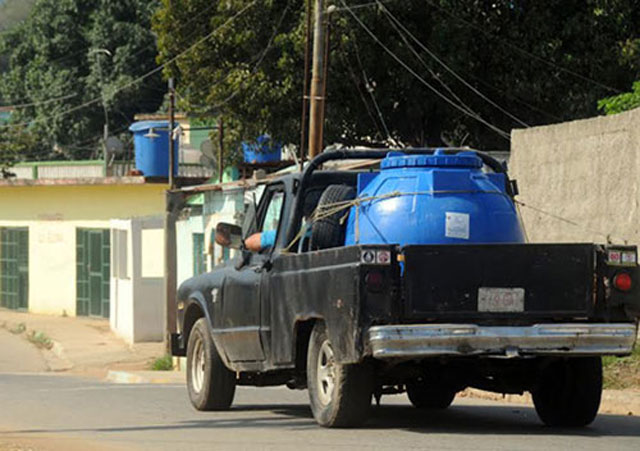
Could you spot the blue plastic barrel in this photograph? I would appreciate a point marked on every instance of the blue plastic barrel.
(151, 145)
(263, 150)
(433, 199)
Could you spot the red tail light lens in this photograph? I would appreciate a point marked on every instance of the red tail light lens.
(622, 281)
(374, 281)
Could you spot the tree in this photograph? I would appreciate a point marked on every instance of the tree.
(81, 52)
(540, 62)
(622, 102)
(16, 144)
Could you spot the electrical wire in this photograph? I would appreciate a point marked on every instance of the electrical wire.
(522, 51)
(499, 131)
(142, 77)
(367, 86)
(394, 19)
(259, 61)
(32, 104)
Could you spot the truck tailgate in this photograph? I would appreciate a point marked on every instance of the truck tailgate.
(498, 281)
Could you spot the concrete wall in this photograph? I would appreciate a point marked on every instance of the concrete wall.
(579, 180)
(137, 293)
(52, 214)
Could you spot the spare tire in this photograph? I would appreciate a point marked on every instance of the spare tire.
(329, 232)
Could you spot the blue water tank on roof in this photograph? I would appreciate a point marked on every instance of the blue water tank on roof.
(433, 199)
(151, 145)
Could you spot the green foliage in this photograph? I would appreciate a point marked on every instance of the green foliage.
(16, 144)
(57, 52)
(164, 363)
(522, 54)
(18, 329)
(13, 11)
(621, 373)
(623, 102)
(40, 339)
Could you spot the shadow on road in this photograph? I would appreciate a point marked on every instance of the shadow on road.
(461, 419)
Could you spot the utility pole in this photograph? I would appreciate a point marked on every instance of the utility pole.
(105, 133)
(172, 209)
(316, 113)
(172, 120)
(305, 89)
(221, 148)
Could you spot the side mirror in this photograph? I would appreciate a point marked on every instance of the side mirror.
(229, 235)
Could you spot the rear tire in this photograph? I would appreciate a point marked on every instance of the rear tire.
(329, 232)
(339, 394)
(210, 383)
(568, 392)
(428, 396)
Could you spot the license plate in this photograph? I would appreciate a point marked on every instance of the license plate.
(500, 299)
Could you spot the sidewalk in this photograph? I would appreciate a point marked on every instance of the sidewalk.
(84, 346)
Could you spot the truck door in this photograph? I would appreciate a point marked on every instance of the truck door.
(242, 289)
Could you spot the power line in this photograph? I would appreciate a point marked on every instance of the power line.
(499, 131)
(522, 51)
(142, 77)
(449, 69)
(44, 102)
(260, 59)
(431, 71)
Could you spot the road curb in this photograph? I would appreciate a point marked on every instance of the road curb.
(145, 377)
(56, 358)
(618, 402)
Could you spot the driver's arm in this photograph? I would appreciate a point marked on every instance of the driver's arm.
(260, 241)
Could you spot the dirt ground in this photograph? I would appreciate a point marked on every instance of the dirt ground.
(623, 373)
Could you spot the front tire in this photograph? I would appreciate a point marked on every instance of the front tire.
(339, 394)
(210, 383)
(568, 392)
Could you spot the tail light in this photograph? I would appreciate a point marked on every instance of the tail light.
(622, 281)
(374, 281)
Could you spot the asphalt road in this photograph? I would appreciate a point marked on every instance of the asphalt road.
(63, 412)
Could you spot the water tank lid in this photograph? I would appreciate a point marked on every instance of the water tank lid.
(146, 125)
(439, 159)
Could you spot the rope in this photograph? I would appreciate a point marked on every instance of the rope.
(607, 236)
(328, 210)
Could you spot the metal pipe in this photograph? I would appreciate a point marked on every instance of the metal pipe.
(172, 119)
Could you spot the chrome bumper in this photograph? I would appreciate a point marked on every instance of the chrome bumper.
(417, 341)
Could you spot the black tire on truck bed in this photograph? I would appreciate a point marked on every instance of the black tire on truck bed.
(568, 392)
(329, 232)
(212, 387)
(346, 400)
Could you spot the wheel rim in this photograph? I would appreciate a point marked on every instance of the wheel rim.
(197, 365)
(325, 373)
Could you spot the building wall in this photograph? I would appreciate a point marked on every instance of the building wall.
(52, 214)
(583, 175)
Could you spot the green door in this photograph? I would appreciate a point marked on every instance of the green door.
(93, 271)
(14, 267)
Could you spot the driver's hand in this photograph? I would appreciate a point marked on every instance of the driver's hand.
(252, 243)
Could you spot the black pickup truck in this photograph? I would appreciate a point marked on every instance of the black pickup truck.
(355, 322)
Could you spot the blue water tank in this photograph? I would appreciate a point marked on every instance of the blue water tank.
(151, 145)
(263, 150)
(433, 199)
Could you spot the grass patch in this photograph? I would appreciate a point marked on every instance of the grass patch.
(621, 373)
(18, 329)
(164, 363)
(40, 340)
